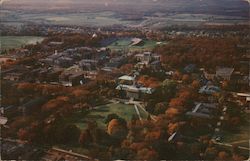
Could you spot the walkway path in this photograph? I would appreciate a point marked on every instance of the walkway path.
(137, 111)
(230, 145)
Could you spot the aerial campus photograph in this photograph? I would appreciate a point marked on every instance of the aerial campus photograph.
(104, 80)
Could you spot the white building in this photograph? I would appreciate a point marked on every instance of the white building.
(127, 85)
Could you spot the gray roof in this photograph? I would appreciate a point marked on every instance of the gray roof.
(202, 115)
(224, 71)
(202, 110)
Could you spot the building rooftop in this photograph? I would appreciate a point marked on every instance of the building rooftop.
(203, 110)
(3, 120)
(224, 71)
(135, 41)
(133, 88)
(209, 89)
(126, 77)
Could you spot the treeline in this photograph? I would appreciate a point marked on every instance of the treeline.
(204, 52)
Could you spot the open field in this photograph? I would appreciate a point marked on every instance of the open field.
(124, 44)
(83, 18)
(9, 42)
(101, 112)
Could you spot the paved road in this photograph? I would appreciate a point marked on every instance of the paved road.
(230, 145)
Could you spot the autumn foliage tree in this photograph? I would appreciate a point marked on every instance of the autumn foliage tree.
(222, 155)
(149, 81)
(186, 78)
(196, 84)
(126, 68)
(85, 137)
(172, 112)
(117, 129)
(202, 51)
(23, 134)
(61, 102)
(147, 154)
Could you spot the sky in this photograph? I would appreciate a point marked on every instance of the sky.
(94, 1)
(99, 1)
(171, 4)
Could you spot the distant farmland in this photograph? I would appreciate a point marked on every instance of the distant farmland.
(10, 42)
(110, 18)
(83, 19)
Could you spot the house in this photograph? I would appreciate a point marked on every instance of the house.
(107, 69)
(64, 62)
(77, 78)
(51, 119)
(116, 62)
(190, 68)
(72, 78)
(51, 59)
(203, 110)
(63, 59)
(169, 73)
(3, 120)
(103, 54)
(35, 72)
(240, 80)
(13, 76)
(126, 80)
(53, 76)
(140, 65)
(147, 57)
(88, 64)
(209, 75)
(5, 59)
(5, 71)
(90, 75)
(224, 73)
(47, 61)
(16, 73)
(209, 89)
(42, 75)
(155, 65)
(245, 96)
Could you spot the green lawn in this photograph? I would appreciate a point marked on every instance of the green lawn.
(9, 42)
(100, 113)
(241, 137)
(125, 44)
(143, 114)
